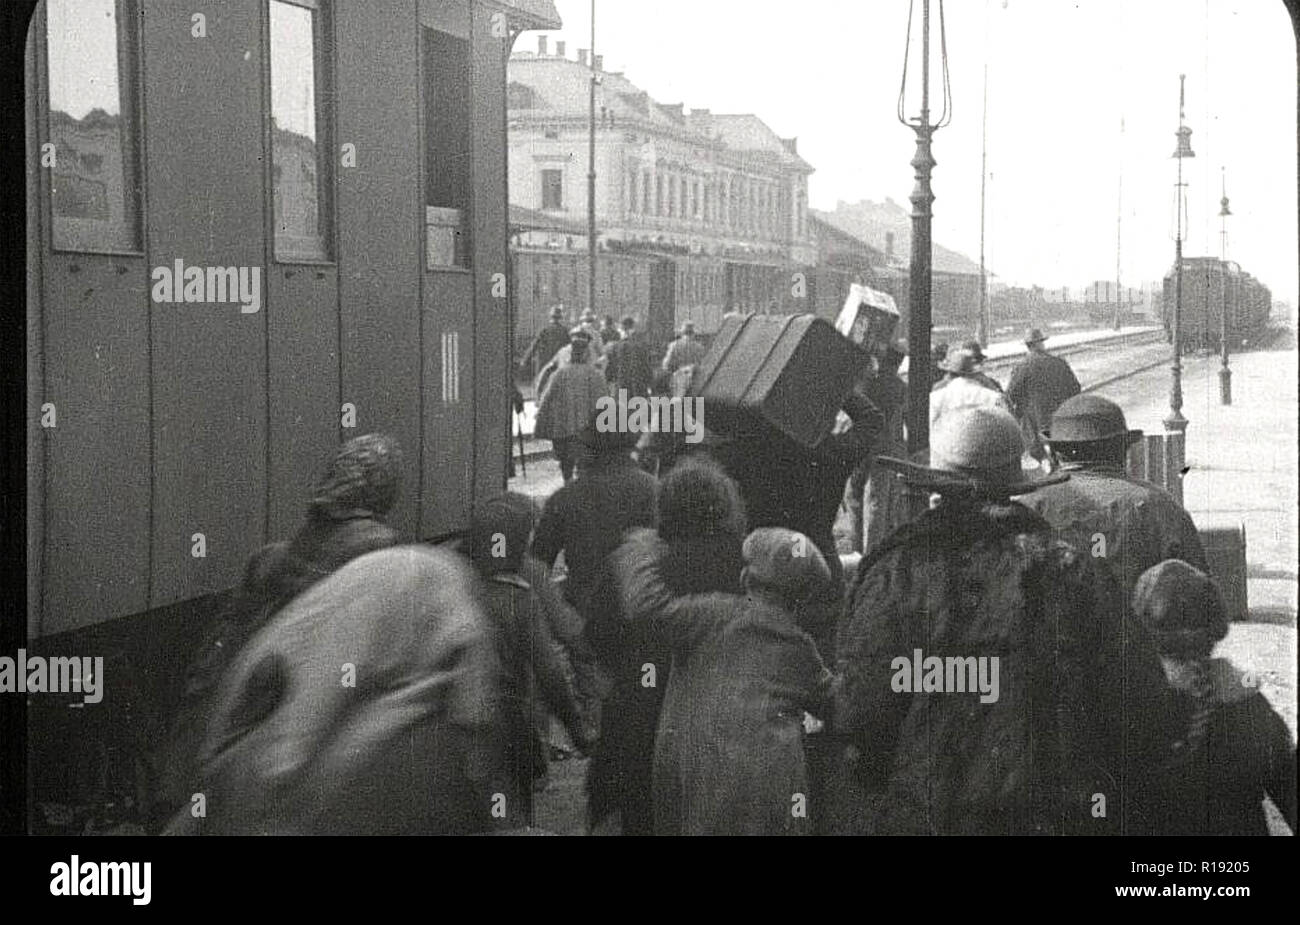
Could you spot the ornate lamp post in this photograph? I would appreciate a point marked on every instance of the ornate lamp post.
(1225, 374)
(1175, 421)
(918, 293)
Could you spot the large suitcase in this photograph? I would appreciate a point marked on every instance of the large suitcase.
(789, 373)
(1225, 554)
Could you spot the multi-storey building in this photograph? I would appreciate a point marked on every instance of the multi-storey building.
(724, 195)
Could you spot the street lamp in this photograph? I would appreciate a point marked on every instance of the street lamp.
(591, 171)
(1225, 374)
(1175, 421)
(918, 294)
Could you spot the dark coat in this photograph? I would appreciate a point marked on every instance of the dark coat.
(1142, 524)
(1216, 786)
(407, 747)
(1079, 684)
(630, 364)
(546, 344)
(586, 520)
(535, 674)
(729, 756)
(1036, 389)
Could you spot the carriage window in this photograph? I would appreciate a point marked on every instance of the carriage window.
(299, 175)
(447, 150)
(94, 178)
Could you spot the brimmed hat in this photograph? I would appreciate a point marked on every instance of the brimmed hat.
(960, 361)
(557, 313)
(1034, 336)
(1088, 419)
(974, 452)
(1181, 607)
(975, 349)
(588, 315)
(580, 334)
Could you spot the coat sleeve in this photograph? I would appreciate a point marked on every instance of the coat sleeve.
(1280, 755)
(549, 538)
(552, 672)
(677, 620)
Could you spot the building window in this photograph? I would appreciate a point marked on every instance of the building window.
(645, 192)
(95, 179)
(448, 165)
(299, 176)
(659, 195)
(553, 189)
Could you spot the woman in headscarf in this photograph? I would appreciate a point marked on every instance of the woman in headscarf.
(346, 518)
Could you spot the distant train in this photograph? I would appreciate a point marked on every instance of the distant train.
(1211, 286)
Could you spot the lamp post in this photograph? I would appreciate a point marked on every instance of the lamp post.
(1225, 374)
(591, 172)
(1175, 421)
(918, 294)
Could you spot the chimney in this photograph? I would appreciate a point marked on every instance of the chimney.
(582, 56)
(889, 245)
(597, 61)
(559, 49)
(541, 46)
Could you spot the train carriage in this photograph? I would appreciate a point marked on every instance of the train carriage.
(256, 228)
(1211, 286)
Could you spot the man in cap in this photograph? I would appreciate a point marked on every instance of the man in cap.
(1129, 523)
(685, 351)
(729, 752)
(568, 397)
(591, 324)
(979, 584)
(1037, 387)
(546, 344)
(963, 385)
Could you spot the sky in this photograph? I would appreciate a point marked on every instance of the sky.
(1067, 193)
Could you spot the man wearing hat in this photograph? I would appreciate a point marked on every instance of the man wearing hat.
(964, 385)
(685, 351)
(1037, 387)
(979, 375)
(568, 393)
(591, 324)
(729, 751)
(981, 577)
(547, 343)
(1129, 523)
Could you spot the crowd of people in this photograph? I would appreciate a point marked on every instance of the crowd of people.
(695, 632)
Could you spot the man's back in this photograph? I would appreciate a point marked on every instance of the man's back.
(1038, 386)
(586, 519)
(630, 364)
(685, 351)
(1129, 523)
(963, 392)
(978, 584)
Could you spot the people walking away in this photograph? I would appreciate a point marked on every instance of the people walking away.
(536, 679)
(1036, 389)
(962, 387)
(701, 521)
(729, 751)
(368, 705)
(1043, 697)
(609, 332)
(685, 350)
(568, 403)
(347, 517)
(585, 521)
(1129, 524)
(589, 323)
(629, 362)
(1229, 749)
(546, 344)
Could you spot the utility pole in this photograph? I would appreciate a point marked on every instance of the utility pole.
(591, 172)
